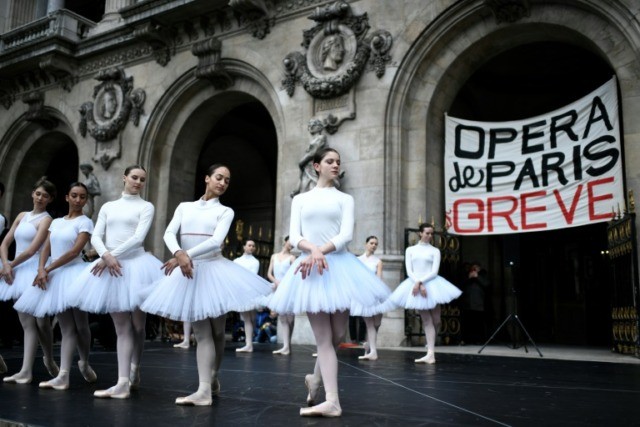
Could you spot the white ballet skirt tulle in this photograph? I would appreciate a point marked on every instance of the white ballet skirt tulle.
(112, 294)
(347, 285)
(439, 291)
(23, 278)
(55, 299)
(218, 287)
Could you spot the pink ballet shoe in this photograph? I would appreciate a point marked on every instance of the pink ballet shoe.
(313, 386)
(429, 359)
(325, 409)
(283, 351)
(245, 349)
(116, 392)
(17, 379)
(55, 384)
(369, 356)
(51, 366)
(3, 366)
(87, 372)
(194, 401)
(183, 344)
(215, 387)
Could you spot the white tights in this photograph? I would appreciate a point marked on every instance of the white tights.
(328, 329)
(286, 323)
(130, 331)
(74, 326)
(373, 324)
(36, 329)
(430, 323)
(249, 319)
(211, 340)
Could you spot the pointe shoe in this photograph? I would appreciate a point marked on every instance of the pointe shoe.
(245, 349)
(3, 366)
(134, 379)
(313, 386)
(51, 366)
(325, 409)
(55, 384)
(193, 401)
(16, 379)
(215, 387)
(369, 356)
(429, 359)
(183, 344)
(113, 393)
(87, 372)
(283, 351)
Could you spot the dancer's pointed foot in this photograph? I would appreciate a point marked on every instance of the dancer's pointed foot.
(325, 409)
(87, 372)
(183, 344)
(118, 391)
(61, 382)
(429, 359)
(134, 377)
(369, 356)
(3, 366)
(246, 349)
(51, 366)
(313, 385)
(19, 378)
(283, 351)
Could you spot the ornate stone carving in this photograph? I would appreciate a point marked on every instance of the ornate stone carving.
(63, 70)
(93, 187)
(380, 43)
(254, 14)
(209, 63)
(114, 103)
(337, 52)
(37, 113)
(509, 10)
(6, 99)
(160, 38)
(308, 176)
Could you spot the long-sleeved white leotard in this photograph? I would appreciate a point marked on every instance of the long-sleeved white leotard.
(203, 227)
(422, 262)
(322, 215)
(126, 222)
(249, 262)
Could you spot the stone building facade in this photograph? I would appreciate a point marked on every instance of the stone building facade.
(176, 85)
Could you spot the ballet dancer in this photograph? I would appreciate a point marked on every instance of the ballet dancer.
(251, 263)
(373, 322)
(424, 290)
(113, 283)
(49, 294)
(326, 280)
(29, 231)
(278, 266)
(200, 285)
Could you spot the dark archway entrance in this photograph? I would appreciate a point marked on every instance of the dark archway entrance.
(560, 276)
(245, 140)
(55, 156)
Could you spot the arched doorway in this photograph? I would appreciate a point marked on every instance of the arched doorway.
(559, 277)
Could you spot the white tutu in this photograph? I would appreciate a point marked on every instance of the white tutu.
(346, 285)
(439, 291)
(23, 274)
(112, 294)
(218, 286)
(55, 299)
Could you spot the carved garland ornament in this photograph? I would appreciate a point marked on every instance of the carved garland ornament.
(115, 102)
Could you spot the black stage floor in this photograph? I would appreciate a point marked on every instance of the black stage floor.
(260, 389)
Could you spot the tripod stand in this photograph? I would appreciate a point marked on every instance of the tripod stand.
(515, 320)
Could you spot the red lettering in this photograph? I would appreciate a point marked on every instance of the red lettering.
(478, 215)
(491, 213)
(568, 215)
(593, 199)
(524, 209)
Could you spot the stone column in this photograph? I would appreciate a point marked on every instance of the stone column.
(111, 8)
(22, 12)
(53, 5)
